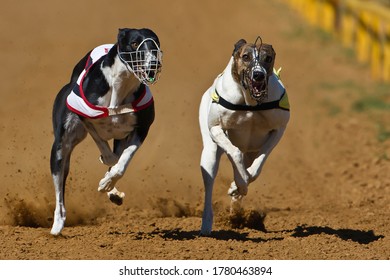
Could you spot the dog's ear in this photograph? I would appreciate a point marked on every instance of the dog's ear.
(121, 37)
(121, 33)
(267, 56)
(238, 45)
(125, 37)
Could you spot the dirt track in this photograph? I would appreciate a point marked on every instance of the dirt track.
(325, 190)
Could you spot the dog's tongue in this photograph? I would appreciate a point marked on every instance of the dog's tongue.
(259, 87)
(259, 90)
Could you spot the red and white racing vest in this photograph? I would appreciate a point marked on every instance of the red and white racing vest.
(78, 103)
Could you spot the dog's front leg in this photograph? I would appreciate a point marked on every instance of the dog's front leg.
(67, 136)
(258, 162)
(241, 175)
(255, 169)
(116, 172)
(273, 139)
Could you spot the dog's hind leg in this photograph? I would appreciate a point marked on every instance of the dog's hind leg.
(209, 164)
(59, 170)
(67, 136)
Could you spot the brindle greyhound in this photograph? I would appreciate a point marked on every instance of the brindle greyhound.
(243, 114)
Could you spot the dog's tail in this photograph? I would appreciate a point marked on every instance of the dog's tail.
(79, 68)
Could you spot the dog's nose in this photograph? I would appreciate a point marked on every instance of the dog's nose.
(258, 75)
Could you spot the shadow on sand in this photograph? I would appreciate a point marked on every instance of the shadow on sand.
(359, 236)
(302, 231)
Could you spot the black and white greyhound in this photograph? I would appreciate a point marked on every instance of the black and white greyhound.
(109, 98)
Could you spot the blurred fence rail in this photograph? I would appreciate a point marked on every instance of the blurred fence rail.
(361, 25)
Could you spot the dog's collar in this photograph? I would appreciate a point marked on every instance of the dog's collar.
(282, 103)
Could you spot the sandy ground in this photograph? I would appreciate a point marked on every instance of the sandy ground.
(323, 194)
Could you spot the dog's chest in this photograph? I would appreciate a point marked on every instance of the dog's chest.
(114, 127)
(248, 130)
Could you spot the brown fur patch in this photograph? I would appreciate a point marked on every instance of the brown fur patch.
(242, 58)
(243, 55)
(267, 58)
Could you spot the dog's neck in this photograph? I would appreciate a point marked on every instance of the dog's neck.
(122, 82)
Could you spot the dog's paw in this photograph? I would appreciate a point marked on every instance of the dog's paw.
(57, 227)
(206, 228)
(106, 184)
(205, 233)
(235, 191)
(116, 196)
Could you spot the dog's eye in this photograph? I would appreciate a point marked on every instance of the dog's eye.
(245, 57)
(134, 45)
(268, 59)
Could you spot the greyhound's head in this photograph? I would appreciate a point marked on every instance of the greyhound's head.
(252, 66)
(139, 50)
